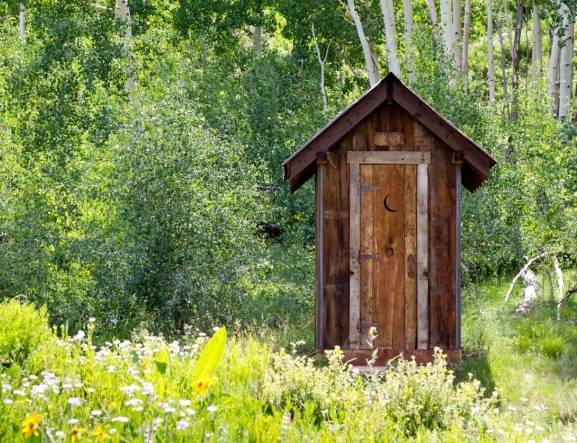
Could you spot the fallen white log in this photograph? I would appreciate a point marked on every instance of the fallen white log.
(520, 274)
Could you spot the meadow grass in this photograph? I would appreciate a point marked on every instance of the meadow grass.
(516, 383)
(531, 361)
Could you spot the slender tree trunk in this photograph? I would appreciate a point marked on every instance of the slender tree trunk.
(537, 50)
(566, 61)
(322, 61)
(434, 22)
(515, 60)
(408, 15)
(372, 69)
(457, 49)
(560, 285)
(447, 25)
(553, 70)
(22, 21)
(503, 65)
(122, 13)
(490, 57)
(465, 56)
(390, 36)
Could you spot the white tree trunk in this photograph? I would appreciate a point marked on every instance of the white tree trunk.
(372, 69)
(465, 56)
(122, 13)
(537, 50)
(560, 286)
(553, 69)
(490, 57)
(434, 22)
(503, 64)
(447, 25)
(566, 62)
(408, 15)
(322, 61)
(22, 21)
(390, 36)
(457, 49)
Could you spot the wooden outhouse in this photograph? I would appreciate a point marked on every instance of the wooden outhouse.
(388, 173)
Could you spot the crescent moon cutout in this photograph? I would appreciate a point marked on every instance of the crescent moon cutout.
(387, 207)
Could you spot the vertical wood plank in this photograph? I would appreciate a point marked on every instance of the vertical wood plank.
(389, 250)
(343, 264)
(411, 257)
(355, 269)
(458, 256)
(330, 252)
(368, 295)
(319, 197)
(422, 257)
(442, 234)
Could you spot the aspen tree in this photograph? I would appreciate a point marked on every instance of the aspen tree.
(465, 54)
(408, 16)
(490, 57)
(372, 69)
(390, 36)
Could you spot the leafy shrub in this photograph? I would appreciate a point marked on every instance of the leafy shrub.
(408, 396)
(22, 330)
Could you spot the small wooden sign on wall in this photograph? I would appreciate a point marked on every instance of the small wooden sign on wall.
(388, 138)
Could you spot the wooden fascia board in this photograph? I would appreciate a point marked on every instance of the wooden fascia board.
(298, 167)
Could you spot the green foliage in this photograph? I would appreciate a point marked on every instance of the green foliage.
(22, 330)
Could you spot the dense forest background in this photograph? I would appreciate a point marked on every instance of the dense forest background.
(141, 144)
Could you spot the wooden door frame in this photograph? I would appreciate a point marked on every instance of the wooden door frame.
(422, 159)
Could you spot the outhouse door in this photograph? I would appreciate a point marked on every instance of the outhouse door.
(389, 249)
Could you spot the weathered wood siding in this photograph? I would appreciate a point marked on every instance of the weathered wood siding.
(333, 261)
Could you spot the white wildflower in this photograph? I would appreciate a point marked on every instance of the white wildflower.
(19, 392)
(73, 421)
(60, 434)
(74, 401)
(120, 419)
(96, 413)
(8, 401)
(211, 408)
(111, 368)
(181, 425)
(147, 388)
(184, 403)
(168, 409)
(130, 390)
(133, 402)
(79, 336)
(91, 320)
(190, 411)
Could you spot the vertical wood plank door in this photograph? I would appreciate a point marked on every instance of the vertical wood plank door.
(389, 252)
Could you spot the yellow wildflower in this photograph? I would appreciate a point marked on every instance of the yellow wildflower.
(76, 433)
(99, 433)
(30, 425)
(201, 385)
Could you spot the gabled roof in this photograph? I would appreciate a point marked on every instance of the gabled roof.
(477, 163)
